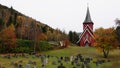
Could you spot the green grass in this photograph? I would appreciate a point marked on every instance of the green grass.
(72, 50)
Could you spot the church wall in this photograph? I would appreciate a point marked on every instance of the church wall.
(90, 39)
(90, 25)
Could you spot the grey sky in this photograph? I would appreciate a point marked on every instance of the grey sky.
(68, 14)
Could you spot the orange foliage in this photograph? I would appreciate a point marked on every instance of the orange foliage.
(66, 43)
(42, 37)
(105, 39)
(8, 37)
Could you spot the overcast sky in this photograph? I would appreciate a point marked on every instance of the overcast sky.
(68, 14)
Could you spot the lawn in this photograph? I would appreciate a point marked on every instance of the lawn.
(114, 58)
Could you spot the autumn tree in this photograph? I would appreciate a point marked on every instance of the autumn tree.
(20, 27)
(105, 40)
(8, 38)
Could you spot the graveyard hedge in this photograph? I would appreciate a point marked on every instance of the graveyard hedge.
(45, 46)
(26, 46)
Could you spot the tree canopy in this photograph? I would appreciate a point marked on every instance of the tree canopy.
(105, 40)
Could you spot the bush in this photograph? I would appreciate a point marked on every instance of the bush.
(27, 46)
(45, 46)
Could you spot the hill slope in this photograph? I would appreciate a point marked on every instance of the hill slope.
(26, 27)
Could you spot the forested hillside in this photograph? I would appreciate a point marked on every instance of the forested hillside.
(25, 27)
(16, 26)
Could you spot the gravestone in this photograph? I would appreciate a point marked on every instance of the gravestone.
(71, 58)
(82, 65)
(43, 66)
(46, 60)
(59, 60)
(61, 66)
(33, 56)
(34, 66)
(77, 64)
(30, 62)
(12, 63)
(73, 67)
(66, 59)
(20, 66)
(34, 63)
(72, 63)
(27, 66)
(15, 64)
(87, 65)
(54, 63)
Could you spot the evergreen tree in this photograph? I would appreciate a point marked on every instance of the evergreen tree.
(117, 31)
(1, 24)
(10, 21)
(73, 37)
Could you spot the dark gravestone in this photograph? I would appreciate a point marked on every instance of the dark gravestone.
(72, 63)
(15, 65)
(108, 60)
(79, 56)
(97, 63)
(61, 66)
(88, 60)
(30, 62)
(34, 63)
(48, 56)
(82, 65)
(76, 60)
(59, 60)
(77, 64)
(8, 56)
(66, 59)
(20, 66)
(73, 67)
(43, 66)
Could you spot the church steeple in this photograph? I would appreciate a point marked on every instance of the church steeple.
(88, 17)
(87, 37)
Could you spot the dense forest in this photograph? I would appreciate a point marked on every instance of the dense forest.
(17, 28)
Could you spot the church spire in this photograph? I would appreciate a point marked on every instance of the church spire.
(88, 17)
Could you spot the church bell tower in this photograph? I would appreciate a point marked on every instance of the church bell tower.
(87, 37)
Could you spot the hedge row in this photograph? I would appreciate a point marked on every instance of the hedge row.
(27, 46)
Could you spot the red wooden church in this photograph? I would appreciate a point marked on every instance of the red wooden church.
(86, 37)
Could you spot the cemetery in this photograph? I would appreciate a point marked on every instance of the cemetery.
(71, 57)
(32, 43)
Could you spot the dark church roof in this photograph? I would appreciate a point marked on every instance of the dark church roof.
(88, 17)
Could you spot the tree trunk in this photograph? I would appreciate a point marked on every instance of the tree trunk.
(105, 53)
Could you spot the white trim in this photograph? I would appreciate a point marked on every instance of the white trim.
(86, 40)
(86, 29)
